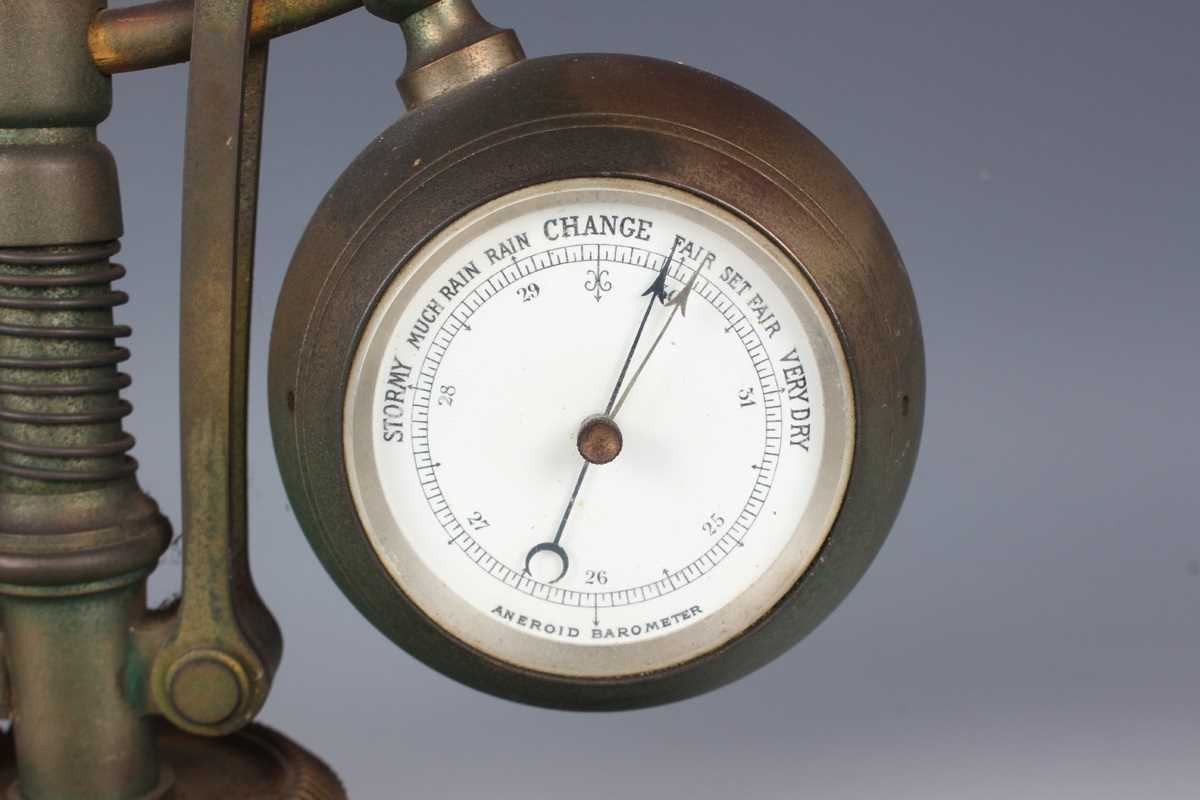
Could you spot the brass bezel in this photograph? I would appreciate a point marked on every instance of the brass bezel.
(594, 116)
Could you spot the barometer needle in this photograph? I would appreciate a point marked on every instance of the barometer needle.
(554, 547)
(679, 302)
(657, 291)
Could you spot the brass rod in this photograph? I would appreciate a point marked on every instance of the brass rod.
(160, 33)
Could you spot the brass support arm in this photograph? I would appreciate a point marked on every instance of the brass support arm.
(212, 675)
(160, 33)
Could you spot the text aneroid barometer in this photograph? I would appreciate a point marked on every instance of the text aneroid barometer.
(596, 381)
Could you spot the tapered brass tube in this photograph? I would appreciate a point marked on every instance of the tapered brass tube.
(154, 34)
(78, 734)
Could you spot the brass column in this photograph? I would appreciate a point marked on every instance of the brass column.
(77, 535)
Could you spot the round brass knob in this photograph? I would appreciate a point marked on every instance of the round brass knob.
(207, 687)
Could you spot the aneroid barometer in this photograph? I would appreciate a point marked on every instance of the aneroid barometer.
(596, 380)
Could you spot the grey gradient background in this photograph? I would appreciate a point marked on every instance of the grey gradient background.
(1030, 629)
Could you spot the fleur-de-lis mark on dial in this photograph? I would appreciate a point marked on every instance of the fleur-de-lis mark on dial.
(598, 282)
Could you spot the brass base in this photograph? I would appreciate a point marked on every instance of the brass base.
(256, 763)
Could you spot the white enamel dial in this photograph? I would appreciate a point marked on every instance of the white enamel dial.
(667, 331)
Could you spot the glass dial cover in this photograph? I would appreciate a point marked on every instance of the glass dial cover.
(598, 427)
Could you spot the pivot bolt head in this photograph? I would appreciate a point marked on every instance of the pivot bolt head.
(208, 687)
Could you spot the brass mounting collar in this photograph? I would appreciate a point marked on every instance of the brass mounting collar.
(472, 62)
(449, 44)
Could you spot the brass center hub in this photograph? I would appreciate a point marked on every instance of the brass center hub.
(599, 440)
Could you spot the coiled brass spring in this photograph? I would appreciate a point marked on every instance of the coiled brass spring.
(60, 409)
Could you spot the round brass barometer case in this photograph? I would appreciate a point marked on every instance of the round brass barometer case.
(596, 383)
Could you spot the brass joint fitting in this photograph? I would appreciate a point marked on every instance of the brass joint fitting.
(449, 44)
